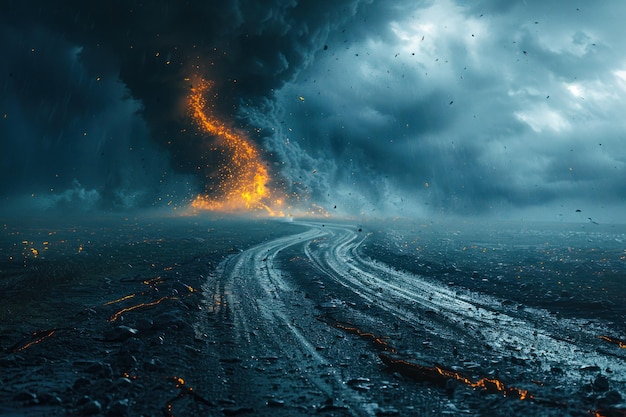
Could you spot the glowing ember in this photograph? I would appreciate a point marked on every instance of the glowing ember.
(184, 390)
(242, 182)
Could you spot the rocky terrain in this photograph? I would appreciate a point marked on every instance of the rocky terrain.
(189, 317)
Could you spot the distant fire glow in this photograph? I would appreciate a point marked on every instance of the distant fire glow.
(243, 180)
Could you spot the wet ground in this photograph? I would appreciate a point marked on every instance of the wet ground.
(185, 317)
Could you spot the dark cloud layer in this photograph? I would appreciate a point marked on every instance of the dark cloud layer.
(73, 64)
(483, 110)
(400, 107)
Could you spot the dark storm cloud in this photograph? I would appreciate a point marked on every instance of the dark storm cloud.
(487, 108)
(399, 107)
(62, 125)
(116, 71)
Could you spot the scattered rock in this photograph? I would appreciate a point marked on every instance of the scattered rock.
(154, 365)
(328, 305)
(387, 411)
(83, 400)
(81, 382)
(360, 384)
(90, 408)
(450, 387)
(518, 361)
(590, 368)
(180, 288)
(610, 398)
(169, 319)
(144, 324)
(237, 411)
(123, 383)
(26, 397)
(231, 360)
(119, 333)
(119, 408)
(9, 360)
(49, 399)
(101, 369)
(272, 402)
(329, 405)
(125, 361)
(601, 383)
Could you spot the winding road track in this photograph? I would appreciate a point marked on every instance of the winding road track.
(280, 303)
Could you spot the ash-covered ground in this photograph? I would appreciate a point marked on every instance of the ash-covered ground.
(191, 316)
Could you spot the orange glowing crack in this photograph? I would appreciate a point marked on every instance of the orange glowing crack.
(376, 341)
(41, 336)
(612, 412)
(135, 307)
(620, 343)
(439, 374)
(243, 180)
(489, 384)
(434, 373)
(119, 300)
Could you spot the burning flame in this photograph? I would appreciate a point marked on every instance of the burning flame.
(243, 180)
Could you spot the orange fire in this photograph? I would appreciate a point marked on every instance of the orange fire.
(243, 181)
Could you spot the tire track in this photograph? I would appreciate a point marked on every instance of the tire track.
(461, 315)
(275, 331)
(272, 322)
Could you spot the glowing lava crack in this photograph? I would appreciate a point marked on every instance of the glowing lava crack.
(243, 180)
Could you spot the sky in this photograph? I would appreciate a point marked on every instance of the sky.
(482, 109)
